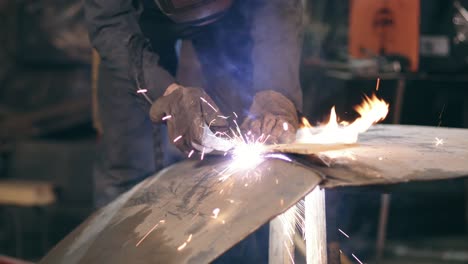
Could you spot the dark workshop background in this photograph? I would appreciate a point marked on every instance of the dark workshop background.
(47, 136)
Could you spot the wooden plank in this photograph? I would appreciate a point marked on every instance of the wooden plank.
(281, 244)
(315, 227)
(26, 193)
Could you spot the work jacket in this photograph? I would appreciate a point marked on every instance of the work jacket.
(255, 46)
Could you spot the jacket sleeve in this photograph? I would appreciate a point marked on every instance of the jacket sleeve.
(277, 32)
(115, 33)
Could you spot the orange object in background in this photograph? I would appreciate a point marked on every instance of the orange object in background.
(385, 27)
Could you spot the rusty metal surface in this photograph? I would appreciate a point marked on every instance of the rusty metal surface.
(151, 223)
(176, 206)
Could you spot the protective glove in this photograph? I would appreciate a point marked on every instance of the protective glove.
(272, 115)
(186, 110)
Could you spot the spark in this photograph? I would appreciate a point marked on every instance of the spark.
(247, 155)
(142, 92)
(248, 152)
(221, 192)
(215, 213)
(377, 86)
(203, 154)
(440, 115)
(246, 185)
(289, 252)
(231, 201)
(239, 133)
(223, 117)
(277, 181)
(288, 221)
(439, 141)
(182, 246)
(191, 153)
(210, 105)
(358, 260)
(211, 122)
(293, 219)
(177, 138)
(278, 156)
(166, 117)
(342, 232)
(151, 230)
(300, 214)
(285, 126)
(380, 158)
(185, 243)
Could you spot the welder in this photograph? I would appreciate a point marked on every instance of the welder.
(248, 52)
(249, 55)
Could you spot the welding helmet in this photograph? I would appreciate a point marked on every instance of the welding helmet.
(195, 12)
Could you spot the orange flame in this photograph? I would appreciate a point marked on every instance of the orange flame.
(371, 111)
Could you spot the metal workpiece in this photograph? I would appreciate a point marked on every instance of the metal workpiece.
(194, 211)
(186, 213)
(391, 154)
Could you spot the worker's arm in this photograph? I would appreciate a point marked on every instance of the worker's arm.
(115, 33)
(277, 35)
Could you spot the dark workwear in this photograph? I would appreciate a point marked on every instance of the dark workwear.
(254, 47)
(199, 12)
(184, 110)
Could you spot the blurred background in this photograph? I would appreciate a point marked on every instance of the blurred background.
(418, 49)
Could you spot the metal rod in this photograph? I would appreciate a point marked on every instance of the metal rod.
(385, 198)
(382, 229)
(399, 99)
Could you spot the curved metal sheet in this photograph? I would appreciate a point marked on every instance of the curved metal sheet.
(186, 214)
(388, 154)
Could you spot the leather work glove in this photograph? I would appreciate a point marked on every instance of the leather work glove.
(185, 111)
(274, 116)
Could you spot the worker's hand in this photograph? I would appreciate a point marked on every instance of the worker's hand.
(185, 111)
(272, 115)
